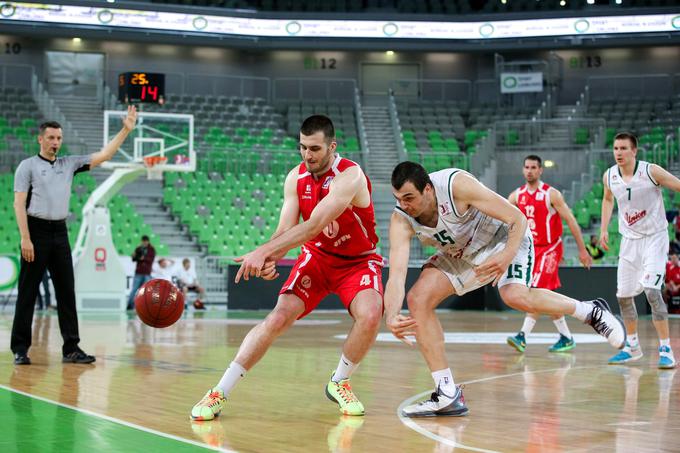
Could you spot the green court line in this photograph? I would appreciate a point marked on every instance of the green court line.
(30, 423)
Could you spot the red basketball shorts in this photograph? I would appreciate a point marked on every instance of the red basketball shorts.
(316, 274)
(547, 265)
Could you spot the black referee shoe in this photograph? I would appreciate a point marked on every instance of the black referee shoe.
(78, 356)
(21, 359)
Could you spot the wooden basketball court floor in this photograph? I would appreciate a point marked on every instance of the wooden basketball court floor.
(138, 394)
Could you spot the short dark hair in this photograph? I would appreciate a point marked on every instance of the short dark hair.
(534, 157)
(318, 123)
(627, 136)
(46, 124)
(145, 238)
(410, 171)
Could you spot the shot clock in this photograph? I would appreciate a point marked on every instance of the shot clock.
(134, 87)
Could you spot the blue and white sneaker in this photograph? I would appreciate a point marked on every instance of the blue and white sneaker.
(627, 354)
(666, 359)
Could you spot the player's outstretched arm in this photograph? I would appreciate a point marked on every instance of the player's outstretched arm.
(470, 192)
(557, 201)
(112, 147)
(607, 210)
(663, 178)
(342, 191)
(401, 233)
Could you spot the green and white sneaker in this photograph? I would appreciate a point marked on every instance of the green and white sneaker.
(518, 342)
(563, 344)
(341, 393)
(210, 406)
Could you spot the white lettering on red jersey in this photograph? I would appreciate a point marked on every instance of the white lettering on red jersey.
(544, 221)
(352, 234)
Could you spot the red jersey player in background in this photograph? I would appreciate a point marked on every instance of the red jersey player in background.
(333, 197)
(544, 208)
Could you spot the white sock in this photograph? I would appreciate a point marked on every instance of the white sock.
(633, 341)
(528, 325)
(562, 326)
(231, 377)
(581, 311)
(665, 342)
(344, 370)
(444, 380)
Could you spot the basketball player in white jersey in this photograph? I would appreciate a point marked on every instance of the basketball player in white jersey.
(481, 238)
(644, 247)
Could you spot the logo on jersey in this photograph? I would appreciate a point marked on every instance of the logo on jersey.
(445, 208)
(635, 217)
(332, 229)
(327, 182)
(540, 196)
(306, 282)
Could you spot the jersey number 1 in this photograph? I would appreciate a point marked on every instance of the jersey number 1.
(629, 190)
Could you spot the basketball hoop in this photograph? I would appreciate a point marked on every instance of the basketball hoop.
(154, 167)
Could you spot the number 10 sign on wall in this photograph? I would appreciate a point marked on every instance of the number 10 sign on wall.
(135, 87)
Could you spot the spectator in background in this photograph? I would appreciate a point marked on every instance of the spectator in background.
(672, 287)
(164, 269)
(594, 249)
(188, 281)
(144, 256)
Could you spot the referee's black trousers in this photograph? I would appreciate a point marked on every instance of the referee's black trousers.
(51, 251)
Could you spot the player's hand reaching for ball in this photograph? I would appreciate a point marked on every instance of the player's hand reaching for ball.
(269, 271)
(402, 327)
(131, 119)
(252, 265)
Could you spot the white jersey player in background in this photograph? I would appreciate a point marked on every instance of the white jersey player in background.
(481, 238)
(644, 246)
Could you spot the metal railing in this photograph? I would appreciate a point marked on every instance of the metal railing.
(433, 90)
(361, 129)
(640, 86)
(50, 110)
(213, 275)
(16, 75)
(396, 127)
(299, 89)
(527, 135)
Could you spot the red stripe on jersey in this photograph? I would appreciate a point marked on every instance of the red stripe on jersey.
(544, 221)
(353, 233)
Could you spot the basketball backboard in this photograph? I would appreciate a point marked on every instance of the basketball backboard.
(165, 135)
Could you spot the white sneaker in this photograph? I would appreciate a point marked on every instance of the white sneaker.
(604, 322)
(666, 358)
(439, 404)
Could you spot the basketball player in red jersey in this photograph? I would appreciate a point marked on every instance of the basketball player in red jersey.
(544, 208)
(333, 197)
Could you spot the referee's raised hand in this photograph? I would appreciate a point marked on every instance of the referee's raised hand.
(27, 249)
(131, 119)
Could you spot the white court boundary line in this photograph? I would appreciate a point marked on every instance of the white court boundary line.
(452, 443)
(118, 421)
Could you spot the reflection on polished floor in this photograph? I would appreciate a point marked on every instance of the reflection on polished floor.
(139, 393)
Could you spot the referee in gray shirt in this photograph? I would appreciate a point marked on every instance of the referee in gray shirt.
(42, 189)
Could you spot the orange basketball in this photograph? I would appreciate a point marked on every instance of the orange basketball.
(159, 303)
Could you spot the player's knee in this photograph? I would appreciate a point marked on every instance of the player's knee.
(416, 302)
(371, 318)
(279, 320)
(517, 297)
(628, 311)
(659, 309)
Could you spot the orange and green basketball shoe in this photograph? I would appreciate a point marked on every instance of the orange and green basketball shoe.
(210, 406)
(341, 393)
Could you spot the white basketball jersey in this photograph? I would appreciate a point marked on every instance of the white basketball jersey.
(641, 210)
(459, 236)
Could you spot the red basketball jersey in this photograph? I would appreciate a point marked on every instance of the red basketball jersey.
(353, 233)
(544, 221)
